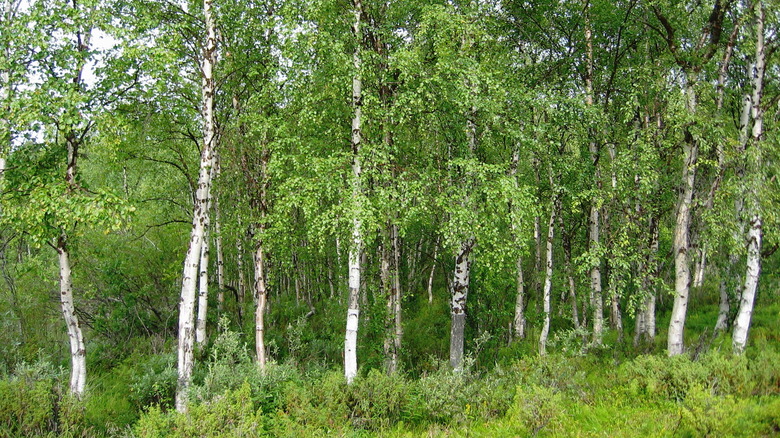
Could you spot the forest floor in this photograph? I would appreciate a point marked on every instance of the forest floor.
(615, 390)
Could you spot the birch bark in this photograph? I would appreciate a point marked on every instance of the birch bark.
(554, 206)
(753, 182)
(73, 142)
(199, 216)
(597, 303)
(203, 275)
(518, 322)
(353, 307)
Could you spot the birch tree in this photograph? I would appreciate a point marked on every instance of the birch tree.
(353, 303)
(705, 46)
(753, 183)
(199, 214)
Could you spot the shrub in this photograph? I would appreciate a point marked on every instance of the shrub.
(664, 377)
(35, 402)
(156, 385)
(536, 406)
(230, 415)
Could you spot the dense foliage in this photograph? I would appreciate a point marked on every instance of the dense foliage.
(554, 217)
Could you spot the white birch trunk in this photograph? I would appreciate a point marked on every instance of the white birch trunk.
(575, 317)
(701, 262)
(199, 215)
(433, 270)
(597, 303)
(681, 243)
(203, 275)
(261, 297)
(203, 289)
(724, 306)
(646, 314)
(518, 322)
(460, 292)
(78, 354)
(398, 331)
(353, 309)
(745, 313)
(241, 286)
(548, 271)
(220, 254)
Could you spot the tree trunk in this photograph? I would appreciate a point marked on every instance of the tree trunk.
(745, 313)
(754, 184)
(682, 227)
(645, 316)
(593, 221)
(199, 215)
(78, 353)
(554, 206)
(203, 276)
(518, 322)
(261, 297)
(220, 254)
(397, 326)
(433, 269)
(241, 286)
(575, 317)
(460, 291)
(353, 309)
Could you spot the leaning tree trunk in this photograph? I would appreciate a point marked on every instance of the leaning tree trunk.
(753, 182)
(78, 354)
(353, 307)
(199, 217)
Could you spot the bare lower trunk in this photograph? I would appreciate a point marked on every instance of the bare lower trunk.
(261, 297)
(723, 308)
(220, 254)
(398, 327)
(460, 291)
(645, 326)
(548, 275)
(575, 317)
(745, 313)
(615, 316)
(433, 269)
(518, 323)
(681, 243)
(701, 263)
(389, 296)
(78, 354)
(241, 286)
(203, 288)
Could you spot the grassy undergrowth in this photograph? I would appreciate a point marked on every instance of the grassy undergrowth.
(614, 390)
